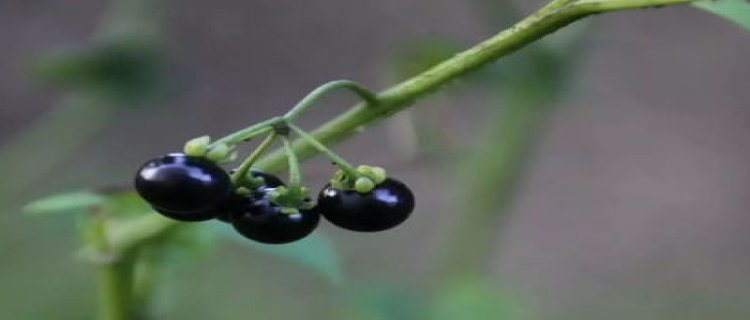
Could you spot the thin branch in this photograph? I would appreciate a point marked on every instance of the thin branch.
(547, 20)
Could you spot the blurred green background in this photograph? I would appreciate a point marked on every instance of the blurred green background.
(599, 174)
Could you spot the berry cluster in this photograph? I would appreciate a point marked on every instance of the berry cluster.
(192, 186)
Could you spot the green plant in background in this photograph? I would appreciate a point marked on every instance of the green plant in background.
(126, 240)
(121, 69)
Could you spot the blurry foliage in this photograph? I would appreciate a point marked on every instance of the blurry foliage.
(523, 89)
(737, 11)
(125, 71)
(382, 301)
(64, 203)
(476, 299)
(125, 207)
(316, 252)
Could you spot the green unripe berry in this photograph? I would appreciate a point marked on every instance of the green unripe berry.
(378, 175)
(197, 147)
(364, 185)
(219, 152)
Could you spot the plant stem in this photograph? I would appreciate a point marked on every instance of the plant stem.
(597, 6)
(295, 177)
(115, 274)
(115, 289)
(339, 161)
(251, 131)
(238, 178)
(549, 19)
(316, 94)
(114, 251)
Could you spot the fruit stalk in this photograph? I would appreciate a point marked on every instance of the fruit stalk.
(250, 132)
(295, 177)
(115, 290)
(316, 94)
(339, 161)
(238, 178)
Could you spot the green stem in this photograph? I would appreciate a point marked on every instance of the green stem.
(251, 131)
(114, 250)
(339, 161)
(115, 289)
(549, 19)
(316, 94)
(238, 178)
(295, 177)
(599, 6)
(147, 273)
(115, 274)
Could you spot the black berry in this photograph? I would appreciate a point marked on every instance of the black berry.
(183, 187)
(270, 182)
(389, 204)
(257, 218)
(189, 216)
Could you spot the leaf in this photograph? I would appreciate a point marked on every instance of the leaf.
(126, 69)
(737, 11)
(72, 202)
(382, 300)
(476, 299)
(125, 202)
(315, 252)
(115, 201)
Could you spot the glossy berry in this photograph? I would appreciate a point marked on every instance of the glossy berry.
(189, 216)
(259, 219)
(271, 181)
(389, 204)
(183, 187)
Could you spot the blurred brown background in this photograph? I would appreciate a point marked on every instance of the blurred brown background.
(635, 203)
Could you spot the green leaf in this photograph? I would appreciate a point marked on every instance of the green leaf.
(115, 201)
(316, 252)
(737, 11)
(124, 202)
(125, 69)
(73, 202)
(475, 299)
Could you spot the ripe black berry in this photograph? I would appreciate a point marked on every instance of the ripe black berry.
(389, 204)
(269, 182)
(259, 219)
(189, 216)
(183, 187)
